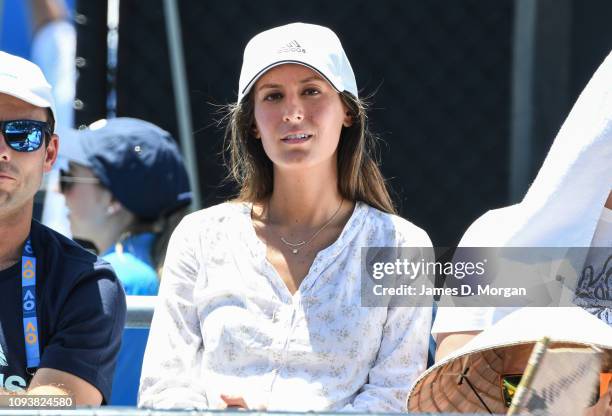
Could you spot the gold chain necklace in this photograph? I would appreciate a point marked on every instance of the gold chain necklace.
(295, 247)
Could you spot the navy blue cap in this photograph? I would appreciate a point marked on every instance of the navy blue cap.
(138, 162)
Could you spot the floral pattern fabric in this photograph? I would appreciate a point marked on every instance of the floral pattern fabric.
(225, 322)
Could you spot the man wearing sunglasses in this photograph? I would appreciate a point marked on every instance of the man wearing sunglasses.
(62, 310)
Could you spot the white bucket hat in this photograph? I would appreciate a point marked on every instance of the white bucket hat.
(438, 389)
(313, 46)
(22, 79)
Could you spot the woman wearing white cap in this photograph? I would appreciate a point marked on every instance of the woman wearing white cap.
(260, 302)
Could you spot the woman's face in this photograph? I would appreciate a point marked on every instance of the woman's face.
(87, 201)
(298, 117)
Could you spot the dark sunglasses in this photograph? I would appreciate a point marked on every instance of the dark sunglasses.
(24, 135)
(67, 179)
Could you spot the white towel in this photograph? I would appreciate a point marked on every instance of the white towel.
(562, 206)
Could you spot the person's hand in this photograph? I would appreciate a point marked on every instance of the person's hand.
(238, 402)
(235, 402)
(603, 407)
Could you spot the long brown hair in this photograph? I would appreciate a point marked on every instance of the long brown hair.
(359, 178)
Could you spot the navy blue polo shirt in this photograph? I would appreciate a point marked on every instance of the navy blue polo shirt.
(80, 308)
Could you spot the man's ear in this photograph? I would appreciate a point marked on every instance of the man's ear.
(51, 150)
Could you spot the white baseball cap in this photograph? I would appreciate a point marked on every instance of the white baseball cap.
(22, 79)
(313, 46)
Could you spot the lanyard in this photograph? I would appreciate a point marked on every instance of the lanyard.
(28, 298)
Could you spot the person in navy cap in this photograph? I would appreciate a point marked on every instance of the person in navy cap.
(62, 308)
(126, 189)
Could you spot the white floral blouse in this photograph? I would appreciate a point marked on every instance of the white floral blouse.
(225, 322)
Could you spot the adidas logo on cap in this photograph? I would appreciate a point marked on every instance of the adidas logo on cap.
(292, 46)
